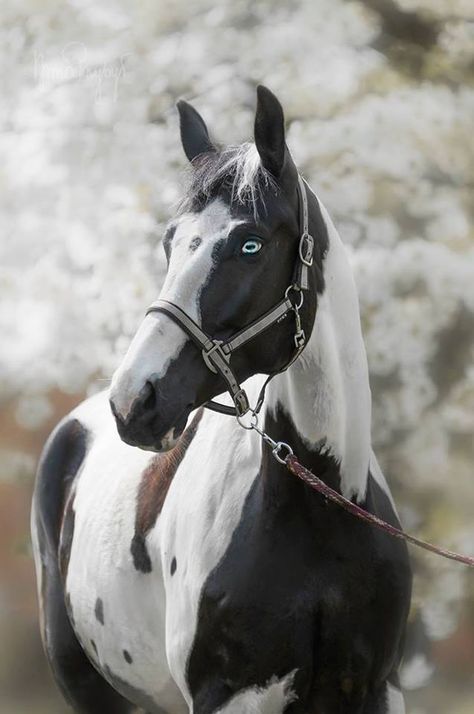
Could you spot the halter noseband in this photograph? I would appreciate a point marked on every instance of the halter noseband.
(217, 353)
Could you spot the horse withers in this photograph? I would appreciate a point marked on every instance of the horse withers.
(194, 574)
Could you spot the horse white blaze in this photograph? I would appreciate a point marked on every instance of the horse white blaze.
(158, 340)
(149, 354)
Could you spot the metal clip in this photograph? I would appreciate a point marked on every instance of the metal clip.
(300, 337)
(275, 446)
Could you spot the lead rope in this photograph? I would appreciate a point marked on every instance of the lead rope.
(289, 460)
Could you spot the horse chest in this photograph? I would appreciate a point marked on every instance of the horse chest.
(241, 601)
(292, 598)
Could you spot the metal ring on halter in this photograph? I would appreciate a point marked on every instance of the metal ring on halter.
(297, 289)
(276, 451)
(253, 422)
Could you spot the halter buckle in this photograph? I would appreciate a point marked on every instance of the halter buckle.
(241, 402)
(306, 249)
(216, 347)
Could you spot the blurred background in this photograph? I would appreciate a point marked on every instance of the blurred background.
(379, 98)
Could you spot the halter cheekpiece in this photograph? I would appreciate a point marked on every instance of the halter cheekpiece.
(217, 353)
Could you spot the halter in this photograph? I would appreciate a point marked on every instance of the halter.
(217, 353)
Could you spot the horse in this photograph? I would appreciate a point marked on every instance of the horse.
(180, 567)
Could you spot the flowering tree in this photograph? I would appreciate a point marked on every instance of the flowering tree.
(379, 101)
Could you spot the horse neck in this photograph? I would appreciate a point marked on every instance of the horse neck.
(325, 394)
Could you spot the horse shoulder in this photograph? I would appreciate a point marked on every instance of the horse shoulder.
(87, 503)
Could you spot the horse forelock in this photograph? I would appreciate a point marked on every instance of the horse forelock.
(237, 169)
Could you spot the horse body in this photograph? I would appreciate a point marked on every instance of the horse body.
(206, 578)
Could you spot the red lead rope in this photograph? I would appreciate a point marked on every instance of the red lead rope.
(308, 477)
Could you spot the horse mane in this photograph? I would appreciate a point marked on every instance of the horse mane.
(237, 168)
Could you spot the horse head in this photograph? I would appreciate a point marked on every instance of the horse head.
(231, 252)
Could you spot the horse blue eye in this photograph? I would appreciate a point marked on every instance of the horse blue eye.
(251, 246)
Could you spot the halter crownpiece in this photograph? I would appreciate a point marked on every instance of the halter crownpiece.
(217, 353)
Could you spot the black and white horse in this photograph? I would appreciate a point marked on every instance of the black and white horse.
(194, 574)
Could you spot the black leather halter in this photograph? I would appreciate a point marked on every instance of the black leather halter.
(217, 353)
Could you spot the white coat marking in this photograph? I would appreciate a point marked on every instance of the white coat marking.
(378, 476)
(395, 700)
(272, 699)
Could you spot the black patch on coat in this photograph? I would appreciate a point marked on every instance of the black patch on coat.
(230, 300)
(138, 549)
(173, 566)
(127, 656)
(94, 646)
(57, 470)
(99, 610)
(83, 688)
(303, 585)
(195, 243)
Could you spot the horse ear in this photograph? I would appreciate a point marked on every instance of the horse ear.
(194, 134)
(270, 131)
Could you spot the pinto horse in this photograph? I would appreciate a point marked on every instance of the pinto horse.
(194, 573)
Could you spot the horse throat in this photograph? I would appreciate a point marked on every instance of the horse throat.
(325, 394)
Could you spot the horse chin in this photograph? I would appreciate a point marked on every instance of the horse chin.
(153, 435)
(165, 443)
(169, 440)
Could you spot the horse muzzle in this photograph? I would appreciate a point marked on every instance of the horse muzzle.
(143, 424)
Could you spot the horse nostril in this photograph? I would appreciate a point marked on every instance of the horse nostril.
(148, 398)
(115, 411)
